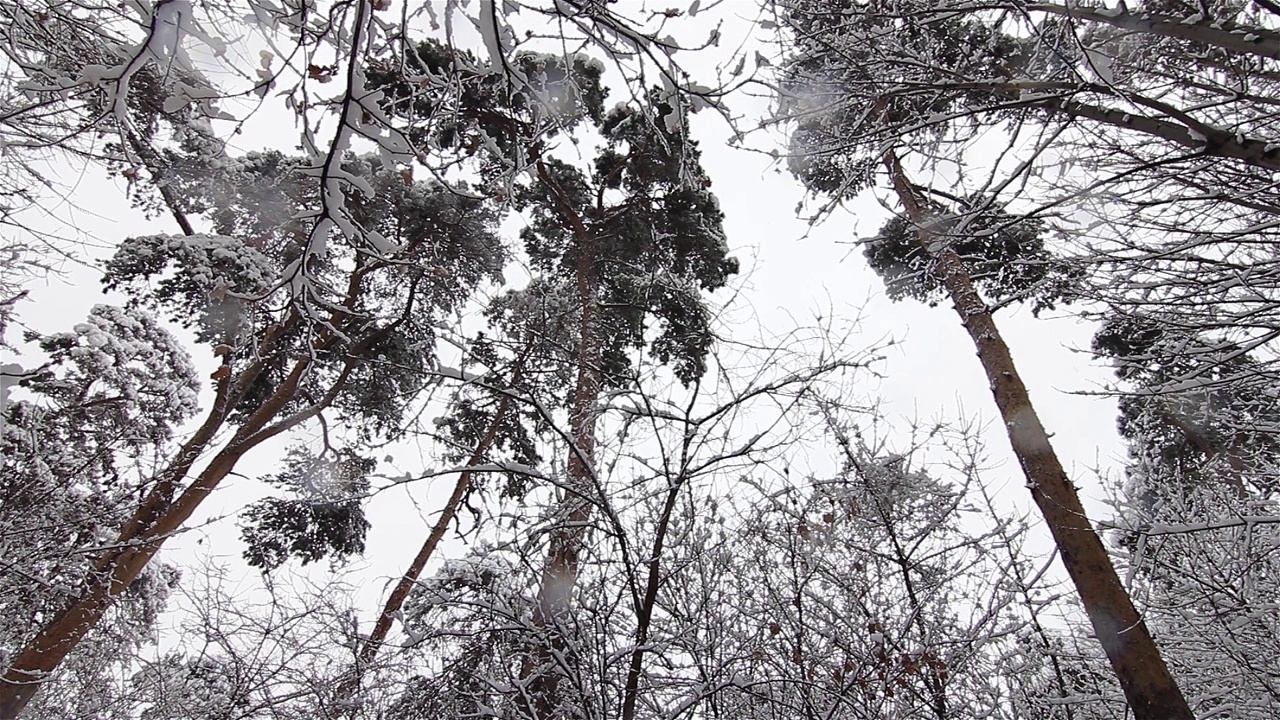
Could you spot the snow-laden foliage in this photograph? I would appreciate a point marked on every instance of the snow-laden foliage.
(854, 596)
(319, 282)
(353, 337)
(454, 612)
(76, 69)
(81, 439)
(246, 289)
(654, 249)
(862, 596)
(1005, 255)
(90, 683)
(1196, 517)
(514, 443)
(860, 74)
(496, 114)
(1193, 419)
(214, 282)
(633, 240)
(1207, 566)
(1144, 136)
(177, 687)
(636, 546)
(124, 373)
(268, 654)
(1143, 133)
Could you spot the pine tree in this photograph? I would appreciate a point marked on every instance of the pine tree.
(837, 150)
(649, 253)
(1142, 131)
(1182, 410)
(1196, 506)
(632, 242)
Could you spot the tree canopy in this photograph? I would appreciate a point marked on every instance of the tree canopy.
(380, 359)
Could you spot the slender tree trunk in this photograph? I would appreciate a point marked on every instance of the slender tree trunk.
(560, 574)
(395, 601)
(1148, 686)
(117, 568)
(369, 651)
(644, 614)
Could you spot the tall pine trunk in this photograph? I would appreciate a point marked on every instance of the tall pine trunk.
(1148, 686)
(560, 573)
(112, 575)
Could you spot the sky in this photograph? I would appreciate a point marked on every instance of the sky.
(793, 274)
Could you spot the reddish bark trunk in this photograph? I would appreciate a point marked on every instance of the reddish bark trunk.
(46, 651)
(395, 601)
(560, 574)
(156, 518)
(1148, 685)
(398, 595)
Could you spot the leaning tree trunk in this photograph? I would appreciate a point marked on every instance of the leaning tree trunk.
(560, 574)
(110, 576)
(1148, 686)
(160, 515)
(156, 519)
(395, 601)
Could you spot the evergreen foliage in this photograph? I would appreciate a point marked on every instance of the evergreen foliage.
(658, 245)
(1005, 255)
(323, 517)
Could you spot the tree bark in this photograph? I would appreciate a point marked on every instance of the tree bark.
(644, 613)
(560, 573)
(159, 515)
(1148, 685)
(51, 645)
(1219, 32)
(116, 570)
(395, 601)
